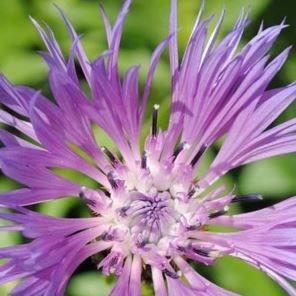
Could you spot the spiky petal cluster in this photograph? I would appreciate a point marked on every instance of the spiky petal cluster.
(150, 213)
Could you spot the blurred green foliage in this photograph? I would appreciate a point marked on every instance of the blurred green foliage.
(145, 27)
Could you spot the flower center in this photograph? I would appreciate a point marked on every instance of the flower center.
(150, 216)
(151, 204)
(153, 200)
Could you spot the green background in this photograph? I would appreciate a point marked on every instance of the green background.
(147, 24)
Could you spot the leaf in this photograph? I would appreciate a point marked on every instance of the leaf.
(272, 177)
(24, 67)
(235, 275)
(59, 207)
(90, 284)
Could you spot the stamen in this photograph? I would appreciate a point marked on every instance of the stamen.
(247, 197)
(107, 236)
(198, 155)
(201, 252)
(141, 242)
(123, 210)
(193, 191)
(112, 180)
(112, 263)
(88, 201)
(192, 227)
(144, 160)
(179, 148)
(81, 195)
(181, 249)
(171, 274)
(218, 213)
(154, 120)
(109, 154)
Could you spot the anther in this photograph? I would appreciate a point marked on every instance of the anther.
(201, 252)
(88, 201)
(192, 227)
(81, 195)
(109, 154)
(123, 210)
(112, 180)
(141, 243)
(171, 274)
(218, 213)
(144, 160)
(181, 249)
(193, 191)
(154, 120)
(198, 155)
(247, 197)
(180, 148)
(107, 236)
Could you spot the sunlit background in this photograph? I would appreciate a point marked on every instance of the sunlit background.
(146, 26)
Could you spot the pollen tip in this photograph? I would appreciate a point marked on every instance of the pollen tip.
(186, 146)
(219, 213)
(180, 147)
(215, 254)
(154, 120)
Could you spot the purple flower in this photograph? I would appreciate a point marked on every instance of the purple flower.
(150, 214)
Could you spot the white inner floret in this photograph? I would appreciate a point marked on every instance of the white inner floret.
(153, 201)
(152, 204)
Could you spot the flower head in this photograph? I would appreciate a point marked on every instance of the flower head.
(150, 214)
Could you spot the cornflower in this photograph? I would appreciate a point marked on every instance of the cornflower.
(151, 217)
